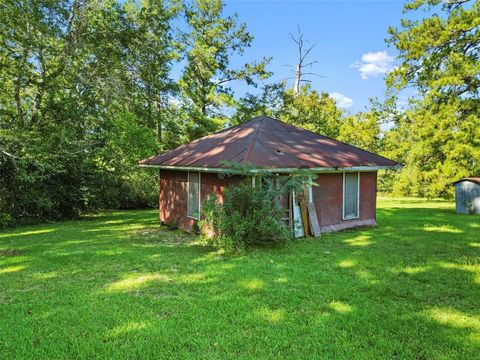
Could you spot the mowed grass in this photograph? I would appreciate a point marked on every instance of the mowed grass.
(118, 285)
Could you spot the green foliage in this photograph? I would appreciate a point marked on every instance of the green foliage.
(248, 216)
(312, 111)
(442, 148)
(79, 108)
(269, 103)
(211, 40)
(362, 130)
(440, 54)
(438, 138)
(87, 93)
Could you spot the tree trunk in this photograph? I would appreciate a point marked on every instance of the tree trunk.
(298, 77)
(159, 122)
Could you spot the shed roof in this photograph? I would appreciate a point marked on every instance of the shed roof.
(264, 142)
(475, 179)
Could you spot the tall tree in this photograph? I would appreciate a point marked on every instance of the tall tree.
(303, 51)
(211, 40)
(440, 58)
(74, 73)
(151, 52)
(311, 110)
(268, 102)
(362, 130)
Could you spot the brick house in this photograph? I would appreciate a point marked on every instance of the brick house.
(346, 175)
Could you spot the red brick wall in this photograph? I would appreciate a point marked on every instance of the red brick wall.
(173, 199)
(327, 197)
(328, 200)
(368, 195)
(211, 183)
(173, 195)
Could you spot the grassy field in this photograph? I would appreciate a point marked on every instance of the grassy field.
(118, 285)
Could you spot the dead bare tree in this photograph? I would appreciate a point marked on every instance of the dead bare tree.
(303, 52)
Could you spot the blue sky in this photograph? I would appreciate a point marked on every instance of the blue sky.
(349, 37)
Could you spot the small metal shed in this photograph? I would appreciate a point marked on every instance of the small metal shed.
(467, 195)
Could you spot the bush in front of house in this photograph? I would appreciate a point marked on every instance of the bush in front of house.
(248, 216)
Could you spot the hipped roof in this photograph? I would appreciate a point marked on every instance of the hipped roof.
(264, 142)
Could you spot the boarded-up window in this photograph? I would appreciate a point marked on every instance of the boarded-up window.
(350, 195)
(193, 206)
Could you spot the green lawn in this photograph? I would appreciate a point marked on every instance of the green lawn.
(118, 285)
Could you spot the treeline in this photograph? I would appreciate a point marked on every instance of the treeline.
(88, 89)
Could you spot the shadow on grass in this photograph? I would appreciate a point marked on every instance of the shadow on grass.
(121, 284)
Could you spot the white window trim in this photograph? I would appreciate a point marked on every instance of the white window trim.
(310, 190)
(199, 194)
(358, 199)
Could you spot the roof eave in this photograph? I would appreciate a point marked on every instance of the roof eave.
(279, 170)
(466, 179)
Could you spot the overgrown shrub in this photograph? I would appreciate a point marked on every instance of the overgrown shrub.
(248, 216)
(48, 173)
(31, 194)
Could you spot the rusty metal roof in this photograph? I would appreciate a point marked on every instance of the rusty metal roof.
(268, 143)
(475, 179)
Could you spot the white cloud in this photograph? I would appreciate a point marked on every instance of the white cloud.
(341, 100)
(374, 64)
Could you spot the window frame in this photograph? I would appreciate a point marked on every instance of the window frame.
(310, 190)
(199, 195)
(344, 217)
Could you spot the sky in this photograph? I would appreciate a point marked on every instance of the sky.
(349, 38)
